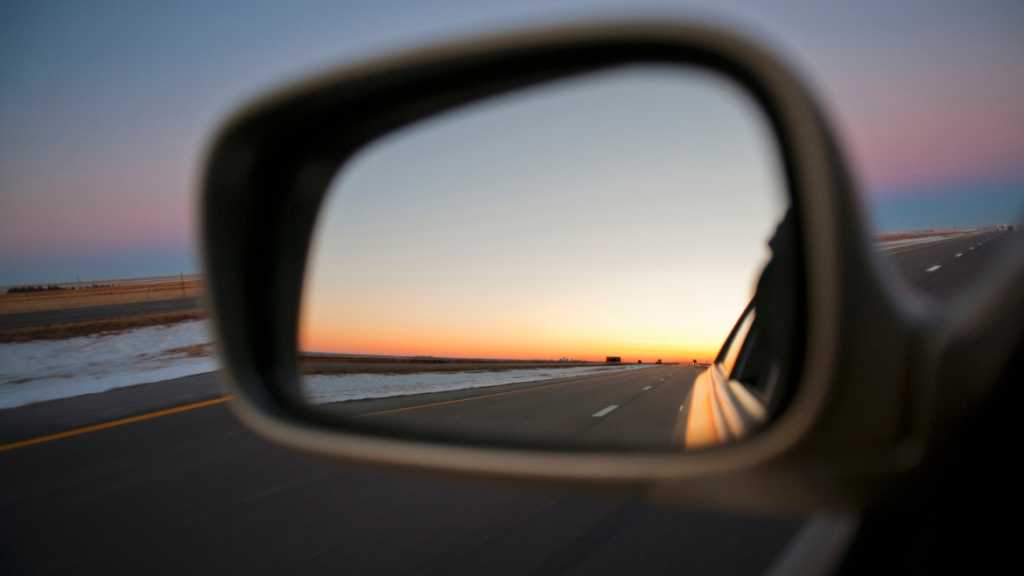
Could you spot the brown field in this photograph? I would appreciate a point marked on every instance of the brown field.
(124, 292)
(383, 365)
(109, 326)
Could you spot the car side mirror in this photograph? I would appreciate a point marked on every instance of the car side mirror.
(824, 390)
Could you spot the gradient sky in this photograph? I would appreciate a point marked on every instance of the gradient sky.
(105, 107)
(621, 213)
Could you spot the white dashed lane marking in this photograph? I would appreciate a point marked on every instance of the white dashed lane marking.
(959, 255)
(606, 410)
(647, 387)
(933, 269)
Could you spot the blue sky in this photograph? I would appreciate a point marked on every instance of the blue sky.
(106, 107)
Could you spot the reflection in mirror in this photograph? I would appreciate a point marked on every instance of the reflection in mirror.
(557, 266)
(943, 238)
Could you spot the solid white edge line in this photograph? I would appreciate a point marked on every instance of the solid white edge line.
(818, 547)
(606, 410)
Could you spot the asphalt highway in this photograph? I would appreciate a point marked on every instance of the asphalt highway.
(193, 492)
(635, 408)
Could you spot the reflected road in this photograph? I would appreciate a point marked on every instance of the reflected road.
(623, 409)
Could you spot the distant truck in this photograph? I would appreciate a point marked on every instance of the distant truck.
(613, 359)
(659, 361)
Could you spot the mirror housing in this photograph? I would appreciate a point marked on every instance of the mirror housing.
(861, 413)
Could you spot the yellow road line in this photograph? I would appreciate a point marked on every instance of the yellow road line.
(78, 431)
(478, 397)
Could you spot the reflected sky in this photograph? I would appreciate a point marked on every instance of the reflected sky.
(620, 213)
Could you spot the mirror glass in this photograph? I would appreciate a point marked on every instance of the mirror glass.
(567, 265)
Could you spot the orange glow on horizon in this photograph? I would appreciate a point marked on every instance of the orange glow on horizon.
(497, 344)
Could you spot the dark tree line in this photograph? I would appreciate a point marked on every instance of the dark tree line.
(18, 289)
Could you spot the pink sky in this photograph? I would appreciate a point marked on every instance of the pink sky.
(910, 129)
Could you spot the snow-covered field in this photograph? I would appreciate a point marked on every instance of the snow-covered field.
(49, 369)
(324, 389)
(909, 242)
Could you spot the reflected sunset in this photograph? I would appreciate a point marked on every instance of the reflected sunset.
(625, 213)
(503, 326)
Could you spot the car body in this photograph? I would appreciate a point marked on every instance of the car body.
(726, 402)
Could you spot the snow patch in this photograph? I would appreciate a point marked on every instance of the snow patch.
(909, 242)
(43, 370)
(325, 389)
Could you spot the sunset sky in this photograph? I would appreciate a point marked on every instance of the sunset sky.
(106, 107)
(621, 213)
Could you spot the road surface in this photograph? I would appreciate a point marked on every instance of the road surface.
(193, 492)
(631, 409)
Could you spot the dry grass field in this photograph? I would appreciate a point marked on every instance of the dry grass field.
(336, 366)
(108, 326)
(116, 292)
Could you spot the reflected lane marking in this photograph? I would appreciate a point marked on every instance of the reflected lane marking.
(111, 424)
(475, 397)
(606, 410)
(647, 387)
(933, 268)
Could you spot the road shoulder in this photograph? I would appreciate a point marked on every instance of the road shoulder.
(56, 416)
